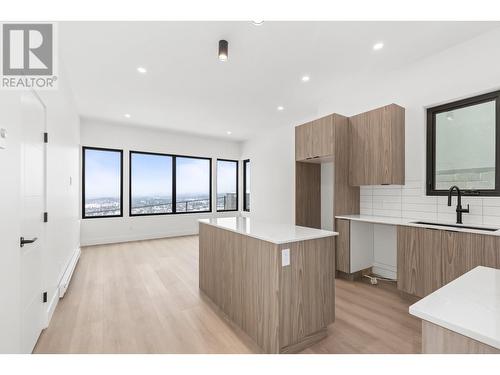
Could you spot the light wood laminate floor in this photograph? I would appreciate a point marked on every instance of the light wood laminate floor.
(143, 297)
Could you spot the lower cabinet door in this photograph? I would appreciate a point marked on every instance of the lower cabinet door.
(461, 253)
(419, 260)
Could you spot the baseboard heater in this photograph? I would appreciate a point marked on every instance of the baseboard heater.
(64, 284)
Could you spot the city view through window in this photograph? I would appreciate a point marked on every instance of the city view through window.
(152, 183)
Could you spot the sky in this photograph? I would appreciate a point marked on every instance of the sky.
(152, 175)
(102, 174)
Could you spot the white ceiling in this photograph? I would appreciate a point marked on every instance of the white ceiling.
(188, 89)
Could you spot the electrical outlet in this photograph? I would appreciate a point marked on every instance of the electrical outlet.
(285, 257)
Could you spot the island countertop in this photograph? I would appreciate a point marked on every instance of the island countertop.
(277, 233)
(469, 305)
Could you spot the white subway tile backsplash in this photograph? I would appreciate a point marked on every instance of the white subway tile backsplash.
(420, 215)
(366, 191)
(410, 201)
(365, 211)
(419, 207)
(491, 220)
(491, 201)
(384, 212)
(491, 211)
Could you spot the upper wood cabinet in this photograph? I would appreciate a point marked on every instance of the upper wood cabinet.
(315, 139)
(377, 152)
(303, 141)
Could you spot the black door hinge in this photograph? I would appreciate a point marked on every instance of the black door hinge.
(45, 217)
(46, 137)
(44, 297)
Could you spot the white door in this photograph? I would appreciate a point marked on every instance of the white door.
(32, 225)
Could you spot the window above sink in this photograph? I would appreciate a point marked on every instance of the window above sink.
(463, 146)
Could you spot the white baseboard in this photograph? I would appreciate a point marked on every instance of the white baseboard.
(62, 287)
(51, 308)
(68, 273)
(130, 238)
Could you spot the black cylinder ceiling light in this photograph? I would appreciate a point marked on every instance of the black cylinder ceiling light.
(223, 50)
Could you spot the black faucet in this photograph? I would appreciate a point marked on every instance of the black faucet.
(459, 210)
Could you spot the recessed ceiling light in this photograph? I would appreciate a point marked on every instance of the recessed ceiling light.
(378, 46)
(258, 23)
(142, 70)
(280, 108)
(306, 78)
(127, 115)
(229, 132)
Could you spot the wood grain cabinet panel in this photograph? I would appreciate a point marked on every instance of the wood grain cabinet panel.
(419, 260)
(322, 137)
(377, 150)
(303, 142)
(315, 139)
(282, 308)
(461, 253)
(428, 259)
(343, 245)
(492, 251)
(308, 194)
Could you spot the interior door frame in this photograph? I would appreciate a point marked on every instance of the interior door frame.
(43, 286)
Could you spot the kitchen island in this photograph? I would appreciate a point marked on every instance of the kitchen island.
(276, 282)
(463, 316)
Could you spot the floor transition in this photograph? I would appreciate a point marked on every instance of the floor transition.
(143, 297)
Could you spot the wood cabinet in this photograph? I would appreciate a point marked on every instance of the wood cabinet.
(427, 259)
(315, 139)
(303, 141)
(377, 150)
(419, 260)
(343, 245)
(461, 253)
(283, 309)
(331, 143)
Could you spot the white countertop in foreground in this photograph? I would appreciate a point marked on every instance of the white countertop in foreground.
(410, 223)
(469, 305)
(272, 232)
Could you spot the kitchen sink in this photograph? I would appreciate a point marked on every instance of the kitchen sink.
(456, 226)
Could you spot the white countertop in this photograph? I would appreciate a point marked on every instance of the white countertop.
(469, 305)
(272, 232)
(410, 222)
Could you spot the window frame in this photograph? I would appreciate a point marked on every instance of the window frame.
(245, 166)
(237, 184)
(174, 183)
(84, 148)
(431, 144)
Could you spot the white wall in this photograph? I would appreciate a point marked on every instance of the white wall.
(464, 70)
(63, 226)
(272, 185)
(98, 133)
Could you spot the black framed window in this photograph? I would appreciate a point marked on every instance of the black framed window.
(463, 146)
(193, 184)
(227, 185)
(151, 183)
(246, 185)
(102, 182)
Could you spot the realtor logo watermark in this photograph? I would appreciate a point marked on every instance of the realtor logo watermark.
(28, 56)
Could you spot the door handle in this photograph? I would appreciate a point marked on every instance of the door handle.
(24, 242)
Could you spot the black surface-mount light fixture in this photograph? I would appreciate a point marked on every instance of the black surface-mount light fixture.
(223, 50)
